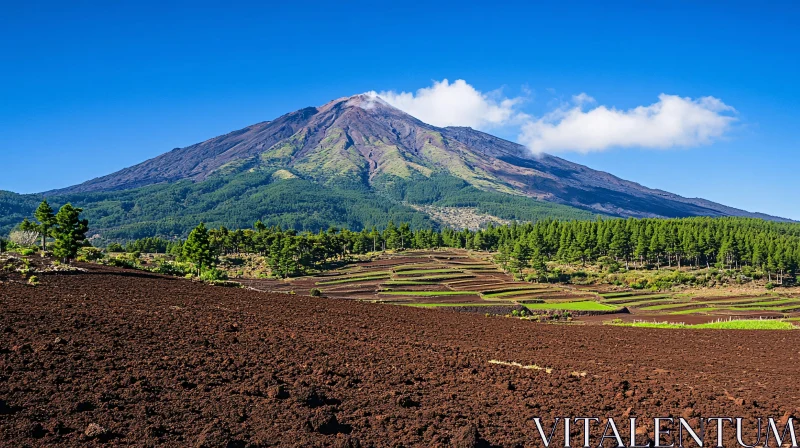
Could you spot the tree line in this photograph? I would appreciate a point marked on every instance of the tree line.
(727, 243)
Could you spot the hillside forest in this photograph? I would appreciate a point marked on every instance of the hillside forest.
(548, 250)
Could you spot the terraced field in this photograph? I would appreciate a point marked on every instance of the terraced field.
(449, 278)
(457, 278)
(699, 307)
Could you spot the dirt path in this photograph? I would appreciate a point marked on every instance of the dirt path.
(152, 359)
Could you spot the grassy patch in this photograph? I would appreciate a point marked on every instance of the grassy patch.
(584, 305)
(513, 291)
(611, 295)
(407, 282)
(441, 305)
(746, 324)
(428, 293)
(353, 280)
(695, 310)
(642, 297)
(668, 306)
(768, 303)
(444, 277)
(428, 271)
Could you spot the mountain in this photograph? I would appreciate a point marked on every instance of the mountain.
(356, 161)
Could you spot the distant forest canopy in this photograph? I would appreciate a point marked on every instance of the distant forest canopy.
(277, 198)
(727, 243)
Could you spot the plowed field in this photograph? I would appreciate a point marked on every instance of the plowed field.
(127, 358)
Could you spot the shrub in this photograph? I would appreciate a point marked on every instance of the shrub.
(226, 283)
(115, 247)
(213, 274)
(90, 254)
(173, 268)
(121, 262)
(770, 285)
(315, 292)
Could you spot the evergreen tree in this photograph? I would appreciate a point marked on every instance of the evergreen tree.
(391, 236)
(197, 248)
(69, 232)
(520, 256)
(47, 219)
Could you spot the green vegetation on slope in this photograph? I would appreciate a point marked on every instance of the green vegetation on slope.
(448, 191)
(751, 324)
(240, 196)
(585, 305)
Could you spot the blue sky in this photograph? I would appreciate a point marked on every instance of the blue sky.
(90, 88)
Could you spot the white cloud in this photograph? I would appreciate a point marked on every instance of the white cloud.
(673, 121)
(582, 98)
(580, 125)
(456, 104)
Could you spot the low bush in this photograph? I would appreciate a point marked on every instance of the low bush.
(213, 275)
(173, 268)
(225, 283)
(315, 292)
(122, 262)
(90, 254)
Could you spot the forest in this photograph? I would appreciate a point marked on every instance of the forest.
(237, 200)
(747, 244)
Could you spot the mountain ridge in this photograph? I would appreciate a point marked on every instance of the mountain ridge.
(363, 141)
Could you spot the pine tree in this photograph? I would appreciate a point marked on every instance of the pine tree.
(197, 248)
(69, 232)
(519, 256)
(391, 236)
(44, 214)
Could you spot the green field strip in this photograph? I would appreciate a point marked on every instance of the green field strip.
(442, 305)
(647, 303)
(694, 310)
(514, 291)
(585, 305)
(637, 298)
(411, 267)
(363, 274)
(612, 295)
(749, 324)
(779, 308)
(770, 303)
(444, 277)
(474, 281)
(408, 282)
(428, 293)
(668, 306)
(428, 271)
(353, 280)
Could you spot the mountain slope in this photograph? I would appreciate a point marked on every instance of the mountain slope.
(353, 162)
(362, 141)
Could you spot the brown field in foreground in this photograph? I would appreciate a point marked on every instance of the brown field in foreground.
(141, 359)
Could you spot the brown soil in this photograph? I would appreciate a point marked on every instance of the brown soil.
(127, 358)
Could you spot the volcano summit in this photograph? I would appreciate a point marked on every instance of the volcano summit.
(356, 162)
